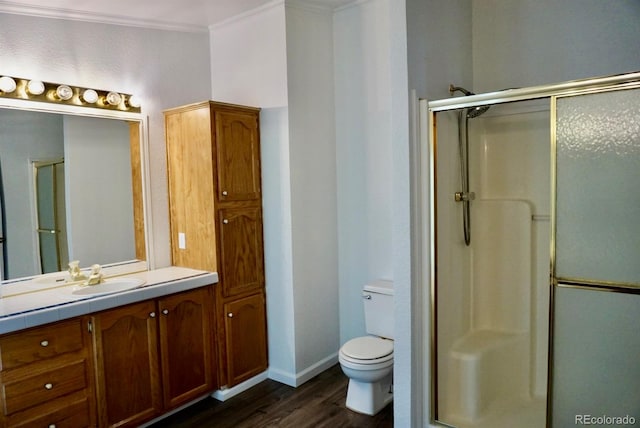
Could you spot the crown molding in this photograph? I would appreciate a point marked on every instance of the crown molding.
(244, 15)
(74, 15)
(310, 6)
(350, 5)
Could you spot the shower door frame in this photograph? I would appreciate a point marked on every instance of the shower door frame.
(553, 91)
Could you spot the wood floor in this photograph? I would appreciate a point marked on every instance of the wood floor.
(319, 402)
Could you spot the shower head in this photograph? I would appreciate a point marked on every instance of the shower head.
(472, 112)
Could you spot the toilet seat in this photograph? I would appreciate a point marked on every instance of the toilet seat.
(367, 350)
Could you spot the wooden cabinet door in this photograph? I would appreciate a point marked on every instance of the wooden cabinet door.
(128, 382)
(238, 155)
(246, 338)
(241, 251)
(186, 345)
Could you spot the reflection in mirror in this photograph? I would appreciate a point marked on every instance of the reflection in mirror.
(71, 189)
(50, 215)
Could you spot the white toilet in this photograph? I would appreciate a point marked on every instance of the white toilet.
(368, 360)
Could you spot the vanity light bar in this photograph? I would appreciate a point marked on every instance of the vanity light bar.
(36, 90)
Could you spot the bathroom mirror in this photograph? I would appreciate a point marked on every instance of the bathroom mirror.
(71, 188)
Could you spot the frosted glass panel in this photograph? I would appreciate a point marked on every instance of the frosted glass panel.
(598, 187)
(595, 357)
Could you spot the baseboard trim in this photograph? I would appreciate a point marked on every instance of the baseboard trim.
(281, 376)
(225, 394)
(310, 372)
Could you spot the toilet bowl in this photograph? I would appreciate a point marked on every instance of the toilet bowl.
(368, 362)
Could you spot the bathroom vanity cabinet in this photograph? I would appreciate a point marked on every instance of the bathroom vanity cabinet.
(115, 359)
(213, 168)
(46, 376)
(168, 359)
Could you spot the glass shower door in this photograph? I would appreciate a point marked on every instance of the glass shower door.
(49, 189)
(596, 265)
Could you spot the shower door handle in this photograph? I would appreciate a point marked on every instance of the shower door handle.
(48, 231)
(462, 196)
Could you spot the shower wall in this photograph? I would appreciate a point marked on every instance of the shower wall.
(514, 165)
(492, 297)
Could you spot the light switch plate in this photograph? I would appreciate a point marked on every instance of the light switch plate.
(182, 241)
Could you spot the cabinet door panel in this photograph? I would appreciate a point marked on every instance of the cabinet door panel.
(241, 254)
(127, 356)
(238, 155)
(246, 338)
(186, 345)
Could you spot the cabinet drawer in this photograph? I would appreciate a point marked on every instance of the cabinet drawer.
(37, 344)
(30, 391)
(68, 412)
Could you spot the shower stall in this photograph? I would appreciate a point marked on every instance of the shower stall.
(547, 176)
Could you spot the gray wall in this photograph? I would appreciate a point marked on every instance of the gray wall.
(536, 42)
(25, 137)
(99, 190)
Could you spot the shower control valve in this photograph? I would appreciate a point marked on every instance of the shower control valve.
(462, 196)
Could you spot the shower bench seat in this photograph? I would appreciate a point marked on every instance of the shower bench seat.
(486, 366)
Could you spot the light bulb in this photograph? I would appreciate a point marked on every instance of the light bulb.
(113, 98)
(35, 87)
(90, 96)
(134, 101)
(7, 84)
(64, 92)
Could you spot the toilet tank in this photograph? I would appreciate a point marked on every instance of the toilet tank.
(378, 308)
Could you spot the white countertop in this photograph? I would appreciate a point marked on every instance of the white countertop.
(28, 303)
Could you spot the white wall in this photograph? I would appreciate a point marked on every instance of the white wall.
(166, 68)
(313, 187)
(278, 255)
(249, 58)
(364, 155)
(526, 43)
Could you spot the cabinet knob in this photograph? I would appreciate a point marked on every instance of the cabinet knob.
(48, 386)
(165, 311)
(152, 314)
(225, 193)
(52, 425)
(225, 221)
(230, 314)
(44, 343)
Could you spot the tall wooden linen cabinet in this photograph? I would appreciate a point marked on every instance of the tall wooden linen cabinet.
(215, 203)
